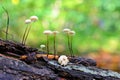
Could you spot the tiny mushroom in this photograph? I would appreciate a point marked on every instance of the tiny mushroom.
(66, 30)
(72, 33)
(55, 33)
(27, 21)
(63, 60)
(47, 33)
(33, 18)
(42, 46)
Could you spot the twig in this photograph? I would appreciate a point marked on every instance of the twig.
(7, 22)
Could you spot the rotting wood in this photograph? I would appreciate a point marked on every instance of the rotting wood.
(43, 68)
(80, 72)
(29, 54)
(14, 69)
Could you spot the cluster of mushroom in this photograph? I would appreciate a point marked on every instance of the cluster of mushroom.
(70, 34)
(63, 60)
(47, 33)
(27, 30)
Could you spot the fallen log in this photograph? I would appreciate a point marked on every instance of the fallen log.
(29, 54)
(12, 68)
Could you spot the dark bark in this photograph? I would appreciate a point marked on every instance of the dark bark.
(18, 49)
(41, 68)
(79, 72)
(12, 69)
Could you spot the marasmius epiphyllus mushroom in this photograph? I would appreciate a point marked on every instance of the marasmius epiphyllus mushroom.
(33, 18)
(71, 34)
(54, 34)
(63, 60)
(27, 21)
(66, 30)
(42, 46)
(47, 33)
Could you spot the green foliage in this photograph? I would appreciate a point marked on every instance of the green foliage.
(96, 22)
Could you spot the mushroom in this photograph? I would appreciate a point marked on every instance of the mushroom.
(66, 30)
(47, 33)
(55, 33)
(42, 46)
(27, 21)
(33, 19)
(63, 60)
(71, 33)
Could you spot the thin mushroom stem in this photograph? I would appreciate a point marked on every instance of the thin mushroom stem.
(54, 46)
(47, 46)
(32, 19)
(54, 41)
(71, 34)
(47, 33)
(69, 43)
(24, 35)
(27, 34)
(7, 22)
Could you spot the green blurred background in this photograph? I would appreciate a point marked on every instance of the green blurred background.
(96, 23)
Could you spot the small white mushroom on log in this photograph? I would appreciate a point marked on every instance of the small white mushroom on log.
(63, 60)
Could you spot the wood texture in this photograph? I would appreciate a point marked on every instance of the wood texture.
(36, 66)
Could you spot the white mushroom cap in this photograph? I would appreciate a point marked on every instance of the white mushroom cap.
(33, 18)
(63, 60)
(42, 46)
(47, 32)
(66, 30)
(27, 21)
(55, 32)
(72, 32)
